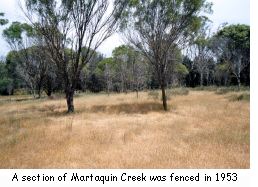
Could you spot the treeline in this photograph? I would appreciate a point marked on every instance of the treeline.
(168, 45)
(128, 70)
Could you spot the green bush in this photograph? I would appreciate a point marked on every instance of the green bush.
(6, 86)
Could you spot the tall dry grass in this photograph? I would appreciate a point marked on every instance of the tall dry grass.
(201, 130)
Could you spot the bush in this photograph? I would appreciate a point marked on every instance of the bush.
(6, 87)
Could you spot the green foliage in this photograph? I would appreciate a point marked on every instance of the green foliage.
(101, 65)
(181, 69)
(5, 82)
(3, 71)
(15, 31)
(223, 66)
(234, 42)
(239, 35)
(173, 10)
(3, 21)
(6, 86)
(123, 51)
(12, 62)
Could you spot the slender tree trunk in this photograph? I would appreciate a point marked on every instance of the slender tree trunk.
(225, 80)
(108, 88)
(39, 89)
(207, 78)
(39, 92)
(164, 98)
(239, 74)
(33, 93)
(201, 80)
(49, 91)
(69, 100)
(238, 82)
(49, 88)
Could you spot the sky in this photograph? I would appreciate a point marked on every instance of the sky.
(224, 11)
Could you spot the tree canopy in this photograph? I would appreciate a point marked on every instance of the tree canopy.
(2, 20)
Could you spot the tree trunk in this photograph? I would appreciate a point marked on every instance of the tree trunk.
(201, 80)
(39, 93)
(39, 89)
(49, 91)
(238, 82)
(225, 81)
(49, 88)
(69, 100)
(164, 98)
(239, 74)
(207, 78)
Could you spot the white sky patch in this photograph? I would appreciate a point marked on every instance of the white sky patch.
(230, 11)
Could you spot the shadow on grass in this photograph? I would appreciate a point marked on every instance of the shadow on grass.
(132, 108)
(128, 108)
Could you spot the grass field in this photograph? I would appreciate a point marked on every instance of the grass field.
(202, 129)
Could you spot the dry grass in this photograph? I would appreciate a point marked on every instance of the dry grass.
(201, 130)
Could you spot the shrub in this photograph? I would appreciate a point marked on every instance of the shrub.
(6, 86)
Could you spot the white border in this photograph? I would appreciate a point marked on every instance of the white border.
(246, 177)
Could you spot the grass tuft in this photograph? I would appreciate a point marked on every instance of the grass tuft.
(241, 97)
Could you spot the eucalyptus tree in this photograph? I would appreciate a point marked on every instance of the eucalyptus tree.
(106, 69)
(234, 48)
(156, 27)
(131, 68)
(29, 51)
(139, 73)
(6, 82)
(181, 72)
(122, 55)
(72, 25)
(202, 53)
